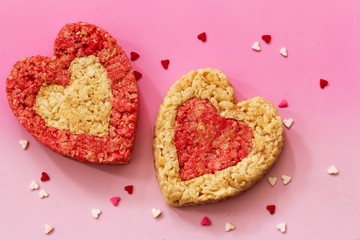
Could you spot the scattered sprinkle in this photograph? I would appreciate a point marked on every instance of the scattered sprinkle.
(286, 179)
(129, 189)
(24, 144)
(34, 186)
(205, 221)
(323, 83)
(115, 200)
(137, 75)
(333, 170)
(134, 56)
(43, 194)
(48, 228)
(281, 227)
(272, 180)
(271, 208)
(229, 227)
(165, 63)
(156, 212)
(283, 52)
(95, 212)
(283, 103)
(256, 46)
(288, 122)
(44, 177)
(266, 38)
(202, 37)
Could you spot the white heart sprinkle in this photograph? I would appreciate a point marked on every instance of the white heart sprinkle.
(33, 185)
(281, 227)
(288, 122)
(256, 46)
(229, 227)
(43, 193)
(95, 212)
(286, 179)
(333, 170)
(156, 212)
(48, 228)
(283, 52)
(24, 144)
(272, 180)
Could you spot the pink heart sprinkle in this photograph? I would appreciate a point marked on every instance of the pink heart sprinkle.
(134, 56)
(115, 200)
(205, 221)
(137, 75)
(165, 63)
(283, 103)
(266, 38)
(323, 83)
(271, 208)
(129, 189)
(44, 177)
(202, 37)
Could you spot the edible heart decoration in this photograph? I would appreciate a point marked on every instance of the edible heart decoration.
(207, 145)
(83, 101)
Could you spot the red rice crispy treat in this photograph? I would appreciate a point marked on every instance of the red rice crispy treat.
(83, 101)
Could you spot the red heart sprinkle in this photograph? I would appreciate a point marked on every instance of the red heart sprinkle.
(202, 36)
(323, 83)
(44, 176)
(137, 75)
(134, 56)
(165, 63)
(115, 200)
(129, 189)
(205, 221)
(266, 38)
(283, 103)
(271, 208)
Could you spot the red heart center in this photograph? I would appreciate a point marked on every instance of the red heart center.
(207, 142)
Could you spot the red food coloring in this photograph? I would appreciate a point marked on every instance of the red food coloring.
(137, 75)
(165, 63)
(323, 83)
(134, 56)
(283, 104)
(266, 38)
(115, 200)
(129, 189)
(271, 209)
(205, 221)
(202, 37)
(44, 177)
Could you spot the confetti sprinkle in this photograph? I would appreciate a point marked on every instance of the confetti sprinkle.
(271, 209)
(129, 189)
(288, 122)
(205, 221)
(281, 227)
(137, 75)
(286, 179)
(202, 37)
(156, 212)
(256, 46)
(266, 38)
(283, 52)
(44, 177)
(229, 227)
(43, 194)
(134, 56)
(95, 212)
(283, 103)
(48, 228)
(115, 200)
(272, 180)
(34, 186)
(165, 63)
(323, 83)
(333, 170)
(24, 144)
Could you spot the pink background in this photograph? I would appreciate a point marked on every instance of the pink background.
(322, 38)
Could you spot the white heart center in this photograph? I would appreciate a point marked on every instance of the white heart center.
(156, 212)
(95, 212)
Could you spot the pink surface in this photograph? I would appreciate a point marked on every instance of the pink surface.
(322, 41)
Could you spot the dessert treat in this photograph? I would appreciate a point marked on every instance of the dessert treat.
(83, 101)
(209, 147)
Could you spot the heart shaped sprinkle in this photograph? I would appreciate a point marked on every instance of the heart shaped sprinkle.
(272, 180)
(283, 103)
(134, 56)
(229, 227)
(266, 38)
(165, 63)
(34, 185)
(24, 144)
(281, 227)
(137, 75)
(95, 213)
(43, 194)
(323, 83)
(115, 200)
(205, 221)
(271, 209)
(44, 177)
(283, 52)
(129, 189)
(286, 179)
(256, 46)
(202, 37)
(48, 228)
(156, 212)
(288, 122)
(333, 170)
